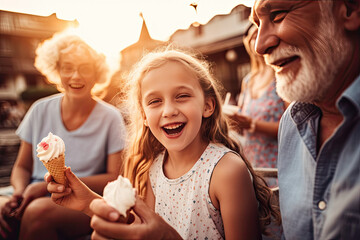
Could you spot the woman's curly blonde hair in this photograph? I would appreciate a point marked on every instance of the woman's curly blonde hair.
(48, 55)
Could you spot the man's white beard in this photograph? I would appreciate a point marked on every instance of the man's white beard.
(318, 71)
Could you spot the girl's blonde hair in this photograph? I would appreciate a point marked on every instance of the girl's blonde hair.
(48, 55)
(144, 147)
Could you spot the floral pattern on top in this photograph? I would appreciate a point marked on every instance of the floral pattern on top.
(261, 150)
(184, 202)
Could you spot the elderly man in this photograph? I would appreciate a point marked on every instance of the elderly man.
(314, 47)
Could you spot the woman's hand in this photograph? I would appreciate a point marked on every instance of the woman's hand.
(106, 225)
(240, 122)
(32, 191)
(76, 195)
(9, 223)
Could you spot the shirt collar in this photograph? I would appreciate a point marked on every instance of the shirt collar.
(301, 111)
(351, 97)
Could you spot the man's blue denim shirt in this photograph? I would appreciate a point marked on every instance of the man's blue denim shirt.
(320, 191)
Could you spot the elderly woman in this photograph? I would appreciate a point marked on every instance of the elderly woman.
(93, 132)
(261, 109)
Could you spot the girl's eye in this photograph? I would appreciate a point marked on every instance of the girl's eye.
(153, 101)
(183, 96)
(278, 16)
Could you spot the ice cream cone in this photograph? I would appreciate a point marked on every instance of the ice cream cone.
(56, 167)
(120, 194)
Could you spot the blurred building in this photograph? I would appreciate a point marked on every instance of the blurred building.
(20, 34)
(221, 42)
(130, 56)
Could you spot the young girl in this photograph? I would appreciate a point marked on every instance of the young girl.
(181, 158)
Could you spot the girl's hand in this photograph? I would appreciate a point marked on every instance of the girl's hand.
(76, 195)
(151, 226)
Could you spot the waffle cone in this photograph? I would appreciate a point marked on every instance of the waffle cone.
(56, 167)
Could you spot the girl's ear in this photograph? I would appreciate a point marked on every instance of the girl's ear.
(144, 120)
(209, 107)
(350, 13)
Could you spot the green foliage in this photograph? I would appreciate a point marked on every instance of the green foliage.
(32, 94)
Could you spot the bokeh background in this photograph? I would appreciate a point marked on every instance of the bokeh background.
(123, 30)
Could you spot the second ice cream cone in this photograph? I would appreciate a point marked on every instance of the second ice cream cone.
(56, 168)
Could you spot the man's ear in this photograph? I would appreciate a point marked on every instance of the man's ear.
(209, 107)
(350, 14)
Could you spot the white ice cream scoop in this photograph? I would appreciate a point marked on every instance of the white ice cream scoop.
(120, 194)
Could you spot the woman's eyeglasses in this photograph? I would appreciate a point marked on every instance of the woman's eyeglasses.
(85, 70)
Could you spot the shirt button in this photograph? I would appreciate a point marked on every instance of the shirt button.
(322, 205)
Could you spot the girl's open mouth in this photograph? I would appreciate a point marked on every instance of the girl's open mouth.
(173, 129)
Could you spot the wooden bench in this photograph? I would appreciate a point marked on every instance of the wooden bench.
(270, 173)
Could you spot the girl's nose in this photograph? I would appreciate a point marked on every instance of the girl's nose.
(169, 110)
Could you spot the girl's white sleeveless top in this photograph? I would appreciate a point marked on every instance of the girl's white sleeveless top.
(185, 202)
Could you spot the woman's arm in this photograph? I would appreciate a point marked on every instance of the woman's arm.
(242, 122)
(99, 181)
(24, 192)
(22, 170)
(270, 129)
(11, 210)
(232, 191)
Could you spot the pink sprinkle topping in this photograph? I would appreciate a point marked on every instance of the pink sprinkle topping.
(44, 145)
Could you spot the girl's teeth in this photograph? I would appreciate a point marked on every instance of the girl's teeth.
(173, 126)
(174, 129)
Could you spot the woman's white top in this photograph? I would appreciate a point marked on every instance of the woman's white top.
(86, 148)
